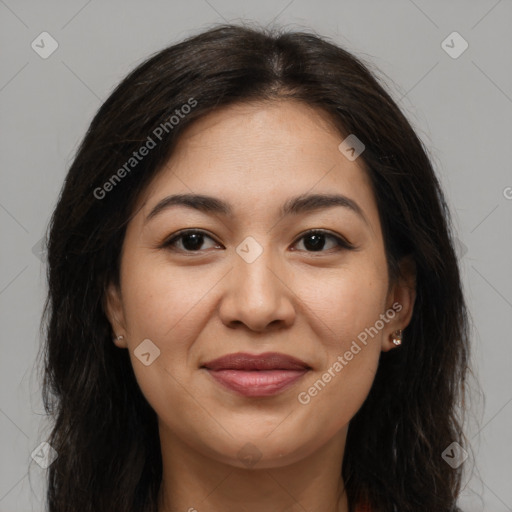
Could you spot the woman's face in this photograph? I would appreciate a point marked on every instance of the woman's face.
(256, 280)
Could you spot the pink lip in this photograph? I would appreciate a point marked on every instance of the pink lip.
(256, 375)
(257, 382)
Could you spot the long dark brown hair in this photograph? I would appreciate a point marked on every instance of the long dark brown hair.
(103, 429)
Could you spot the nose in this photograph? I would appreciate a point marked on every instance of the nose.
(258, 294)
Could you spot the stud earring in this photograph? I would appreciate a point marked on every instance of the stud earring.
(120, 337)
(397, 337)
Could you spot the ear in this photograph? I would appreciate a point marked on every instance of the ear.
(113, 306)
(401, 298)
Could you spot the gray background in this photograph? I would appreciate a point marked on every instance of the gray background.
(461, 108)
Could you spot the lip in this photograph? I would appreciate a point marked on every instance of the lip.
(256, 375)
(257, 383)
(250, 362)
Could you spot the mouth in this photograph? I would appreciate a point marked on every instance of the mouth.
(256, 375)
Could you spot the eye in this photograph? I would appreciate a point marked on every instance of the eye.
(191, 240)
(314, 241)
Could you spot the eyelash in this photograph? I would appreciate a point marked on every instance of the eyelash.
(341, 243)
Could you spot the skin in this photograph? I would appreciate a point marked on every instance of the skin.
(308, 303)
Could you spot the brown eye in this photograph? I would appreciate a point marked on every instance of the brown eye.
(190, 241)
(315, 241)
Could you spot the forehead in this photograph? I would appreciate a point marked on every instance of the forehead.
(257, 155)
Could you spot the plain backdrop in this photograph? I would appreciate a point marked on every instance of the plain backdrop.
(460, 105)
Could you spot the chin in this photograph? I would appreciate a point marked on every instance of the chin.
(276, 450)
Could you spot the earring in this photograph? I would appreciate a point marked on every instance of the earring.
(120, 337)
(397, 337)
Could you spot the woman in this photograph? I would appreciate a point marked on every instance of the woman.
(254, 301)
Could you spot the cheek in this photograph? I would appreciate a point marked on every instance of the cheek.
(160, 305)
(162, 301)
(347, 301)
(348, 305)
(348, 309)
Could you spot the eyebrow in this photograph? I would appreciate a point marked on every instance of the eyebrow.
(294, 206)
